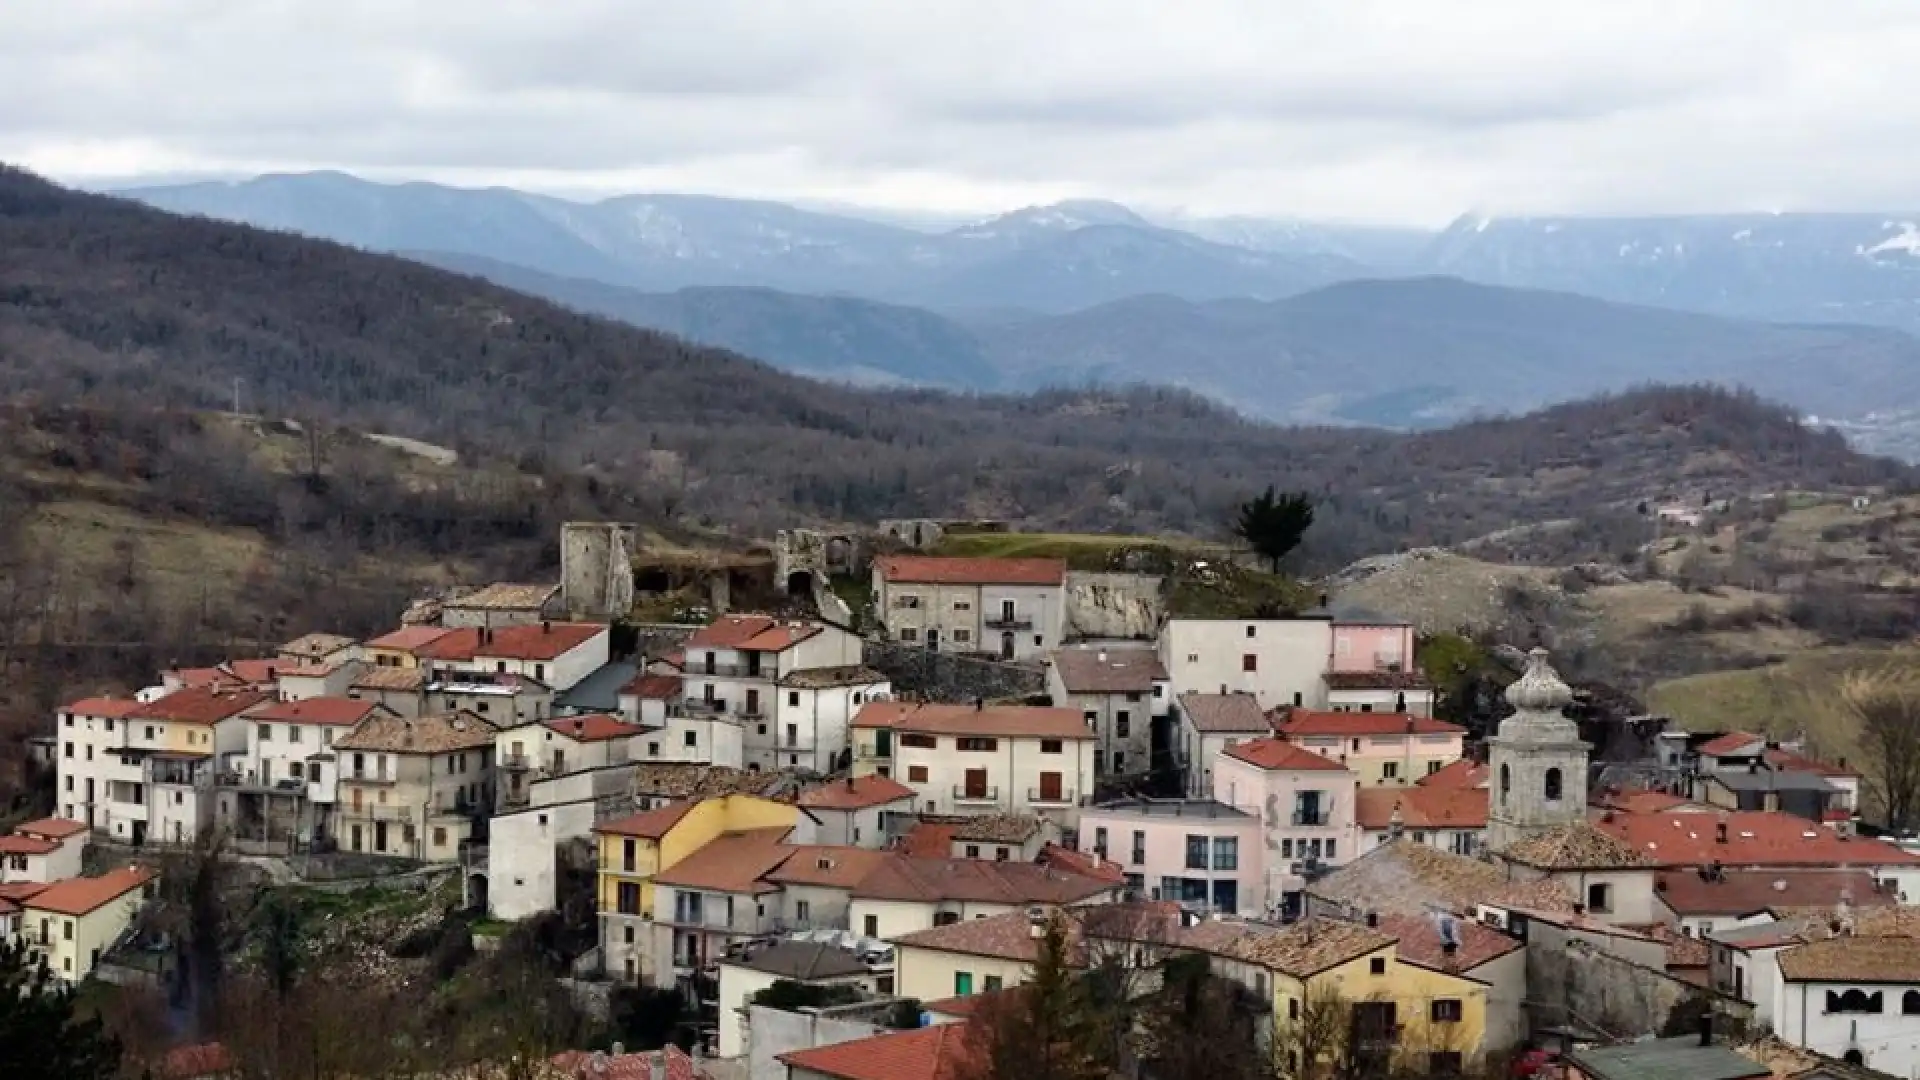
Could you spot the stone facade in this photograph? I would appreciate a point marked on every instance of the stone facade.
(918, 672)
(596, 569)
(1537, 763)
(1113, 606)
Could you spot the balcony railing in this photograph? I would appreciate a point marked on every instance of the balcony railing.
(706, 709)
(1018, 622)
(359, 777)
(1312, 818)
(734, 671)
(511, 760)
(978, 794)
(376, 812)
(1063, 797)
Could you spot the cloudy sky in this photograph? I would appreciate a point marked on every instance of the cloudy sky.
(1367, 110)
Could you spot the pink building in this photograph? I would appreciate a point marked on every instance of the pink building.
(1384, 645)
(1194, 851)
(1383, 749)
(1372, 668)
(1304, 806)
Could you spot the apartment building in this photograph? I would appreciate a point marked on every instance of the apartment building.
(1014, 609)
(1304, 804)
(557, 746)
(113, 754)
(43, 851)
(1278, 661)
(789, 685)
(71, 924)
(414, 786)
(1383, 749)
(282, 788)
(1121, 692)
(980, 759)
(555, 654)
(1199, 852)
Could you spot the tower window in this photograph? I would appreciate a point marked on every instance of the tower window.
(1553, 785)
(1506, 783)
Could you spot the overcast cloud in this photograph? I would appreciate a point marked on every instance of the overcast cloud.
(1377, 110)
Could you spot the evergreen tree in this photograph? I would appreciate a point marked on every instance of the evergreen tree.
(1273, 524)
(1044, 1030)
(41, 1035)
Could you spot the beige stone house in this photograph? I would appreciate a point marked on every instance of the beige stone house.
(414, 786)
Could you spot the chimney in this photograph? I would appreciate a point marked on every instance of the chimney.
(849, 783)
(619, 1049)
(579, 725)
(1720, 830)
(979, 704)
(546, 626)
(1706, 1030)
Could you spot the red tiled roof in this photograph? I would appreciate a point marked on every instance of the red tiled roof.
(857, 793)
(651, 824)
(201, 704)
(965, 1006)
(53, 828)
(1419, 941)
(929, 840)
(1465, 772)
(1788, 761)
(925, 879)
(15, 844)
(538, 641)
(1308, 722)
(332, 711)
(455, 645)
(939, 1052)
(1422, 808)
(108, 707)
(937, 570)
(1732, 743)
(1744, 892)
(1010, 721)
(195, 1062)
(1009, 937)
(78, 896)
(249, 672)
(653, 687)
(409, 638)
(1754, 838)
(1280, 755)
(735, 862)
(753, 633)
(592, 727)
(828, 865)
(20, 892)
(1085, 864)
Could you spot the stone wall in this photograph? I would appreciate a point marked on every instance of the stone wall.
(1114, 606)
(1596, 981)
(596, 568)
(653, 640)
(919, 672)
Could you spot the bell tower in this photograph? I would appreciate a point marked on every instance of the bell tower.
(1536, 765)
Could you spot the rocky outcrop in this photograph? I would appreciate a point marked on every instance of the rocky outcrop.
(1114, 605)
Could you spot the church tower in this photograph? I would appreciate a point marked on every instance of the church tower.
(1537, 765)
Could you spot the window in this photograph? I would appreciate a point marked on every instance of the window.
(69, 749)
(1249, 662)
(1139, 847)
(653, 749)
(908, 633)
(919, 742)
(293, 733)
(909, 600)
(266, 732)
(978, 745)
(1196, 853)
(1293, 1008)
(1553, 785)
(1506, 783)
(1854, 1000)
(1119, 762)
(1100, 841)
(793, 698)
(962, 635)
(1445, 1011)
(1433, 767)
(962, 605)
(1444, 1063)
(693, 738)
(1600, 898)
(1251, 630)
(1226, 853)
(1377, 965)
(962, 983)
(1286, 847)
(973, 851)
(1390, 770)
(69, 719)
(916, 774)
(1049, 746)
(870, 926)
(1910, 1003)
(66, 929)
(627, 899)
(801, 910)
(1122, 724)
(439, 836)
(1133, 695)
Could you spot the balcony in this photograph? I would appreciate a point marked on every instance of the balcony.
(706, 710)
(734, 671)
(517, 762)
(1002, 622)
(252, 784)
(357, 776)
(376, 812)
(987, 794)
(1312, 818)
(1063, 797)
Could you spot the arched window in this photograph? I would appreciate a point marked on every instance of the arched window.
(1854, 1057)
(1853, 1000)
(1506, 783)
(1910, 1003)
(1553, 785)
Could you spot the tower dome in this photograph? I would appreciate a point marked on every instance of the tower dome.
(1539, 688)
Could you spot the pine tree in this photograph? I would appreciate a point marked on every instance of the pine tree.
(1043, 1030)
(42, 1037)
(1273, 524)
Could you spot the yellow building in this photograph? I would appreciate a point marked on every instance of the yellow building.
(1343, 988)
(634, 849)
(72, 923)
(401, 648)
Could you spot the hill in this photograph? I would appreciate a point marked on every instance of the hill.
(111, 302)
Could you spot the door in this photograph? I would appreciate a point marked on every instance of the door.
(1049, 787)
(1372, 1036)
(357, 845)
(976, 784)
(380, 836)
(139, 833)
(753, 702)
(933, 638)
(1006, 645)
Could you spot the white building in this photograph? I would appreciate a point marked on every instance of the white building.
(1121, 692)
(284, 785)
(1853, 998)
(557, 746)
(523, 856)
(980, 759)
(1278, 661)
(856, 811)
(112, 754)
(809, 963)
(739, 666)
(675, 733)
(43, 851)
(1207, 725)
(1011, 608)
(555, 654)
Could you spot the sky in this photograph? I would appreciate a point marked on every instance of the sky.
(1385, 111)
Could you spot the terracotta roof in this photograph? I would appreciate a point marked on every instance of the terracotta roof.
(1086, 864)
(1788, 761)
(1422, 808)
(533, 642)
(1009, 721)
(195, 1062)
(651, 824)
(1302, 950)
(1733, 743)
(1008, 937)
(108, 707)
(856, 793)
(19, 892)
(1464, 773)
(1644, 802)
(997, 828)
(1854, 959)
(78, 896)
(1108, 671)
(653, 687)
(409, 638)
(1376, 680)
(821, 678)
(503, 595)
(307, 671)
(1754, 838)
(334, 711)
(685, 780)
(439, 733)
(1224, 714)
(53, 828)
(390, 678)
(1410, 878)
(316, 646)
(1578, 846)
(592, 727)
(735, 862)
(827, 865)
(753, 633)
(1540, 894)
(1683, 950)
(1280, 755)
(1744, 892)
(582, 1065)
(15, 844)
(1307, 722)
(965, 1006)
(928, 880)
(246, 672)
(1418, 940)
(936, 570)
(928, 840)
(939, 1052)
(201, 704)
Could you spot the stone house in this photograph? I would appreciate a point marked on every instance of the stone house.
(1122, 692)
(1206, 725)
(414, 786)
(502, 604)
(1014, 609)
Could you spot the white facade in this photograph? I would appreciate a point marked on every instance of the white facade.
(739, 668)
(561, 672)
(1010, 620)
(1049, 772)
(811, 723)
(1279, 661)
(522, 853)
(1885, 1035)
(701, 738)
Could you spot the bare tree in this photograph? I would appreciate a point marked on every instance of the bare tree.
(1311, 1035)
(1886, 706)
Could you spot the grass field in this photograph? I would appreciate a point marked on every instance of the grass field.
(1082, 551)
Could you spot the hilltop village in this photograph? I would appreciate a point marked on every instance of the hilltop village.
(751, 802)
